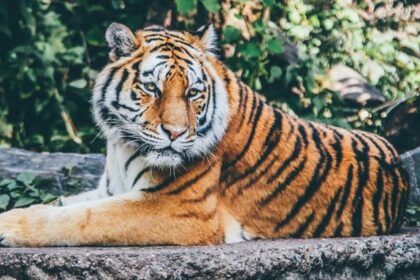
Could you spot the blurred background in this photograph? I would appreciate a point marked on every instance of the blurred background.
(353, 64)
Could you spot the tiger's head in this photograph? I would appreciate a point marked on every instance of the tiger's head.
(162, 93)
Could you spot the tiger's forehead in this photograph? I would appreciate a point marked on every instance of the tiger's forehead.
(158, 38)
(166, 56)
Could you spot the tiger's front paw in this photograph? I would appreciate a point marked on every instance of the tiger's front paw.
(21, 227)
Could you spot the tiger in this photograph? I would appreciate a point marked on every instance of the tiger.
(196, 157)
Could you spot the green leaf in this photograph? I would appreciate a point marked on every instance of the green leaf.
(80, 83)
(15, 194)
(275, 73)
(26, 178)
(231, 34)
(251, 50)
(269, 3)
(13, 186)
(5, 182)
(186, 6)
(24, 201)
(48, 198)
(212, 6)
(95, 37)
(275, 46)
(4, 201)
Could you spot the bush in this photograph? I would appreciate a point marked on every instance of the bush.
(52, 50)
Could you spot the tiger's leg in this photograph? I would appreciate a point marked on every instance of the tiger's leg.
(127, 219)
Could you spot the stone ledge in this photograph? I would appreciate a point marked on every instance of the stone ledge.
(396, 257)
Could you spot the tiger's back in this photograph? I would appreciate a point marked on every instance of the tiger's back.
(287, 177)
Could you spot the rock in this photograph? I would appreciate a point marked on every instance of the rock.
(352, 87)
(402, 123)
(68, 173)
(411, 163)
(382, 257)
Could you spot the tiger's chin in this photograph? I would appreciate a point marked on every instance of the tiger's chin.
(163, 158)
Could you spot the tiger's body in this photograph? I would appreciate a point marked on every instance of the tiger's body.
(215, 166)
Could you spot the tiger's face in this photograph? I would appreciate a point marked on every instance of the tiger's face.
(161, 94)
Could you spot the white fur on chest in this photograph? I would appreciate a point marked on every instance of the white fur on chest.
(125, 174)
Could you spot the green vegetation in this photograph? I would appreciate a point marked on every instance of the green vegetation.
(23, 191)
(52, 50)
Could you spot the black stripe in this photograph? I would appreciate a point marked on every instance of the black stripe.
(347, 189)
(108, 82)
(316, 181)
(388, 146)
(252, 134)
(269, 144)
(376, 200)
(107, 116)
(363, 159)
(190, 182)
(373, 142)
(135, 155)
(338, 149)
(387, 216)
(163, 56)
(242, 110)
(303, 226)
(285, 163)
(280, 187)
(400, 214)
(118, 106)
(188, 45)
(151, 71)
(108, 188)
(255, 179)
(186, 60)
(120, 85)
(204, 130)
(292, 128)
(339, 230)
(240, 95)
(323, 225)
(302, 132)
(255, 100)
(209, 191)
(160, 186)
(390, 169)
(154, 39)
(184, 50)
(139, 175)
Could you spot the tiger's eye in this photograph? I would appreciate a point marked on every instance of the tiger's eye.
(150, 86)
(193, 92)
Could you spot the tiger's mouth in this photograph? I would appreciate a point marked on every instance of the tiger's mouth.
(168, 151)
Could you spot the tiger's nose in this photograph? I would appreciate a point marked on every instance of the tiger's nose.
(173, 132)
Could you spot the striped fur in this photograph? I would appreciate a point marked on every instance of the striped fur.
(237, 169)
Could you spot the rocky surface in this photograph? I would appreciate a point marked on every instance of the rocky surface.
(67, 173)
(352, 87)
(396, 257)
(411, 162)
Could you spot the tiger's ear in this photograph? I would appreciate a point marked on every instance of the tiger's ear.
(208, 37)
(121, 40)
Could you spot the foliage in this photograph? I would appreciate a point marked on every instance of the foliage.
(52, 50)
(412, 216)
(22, 191)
